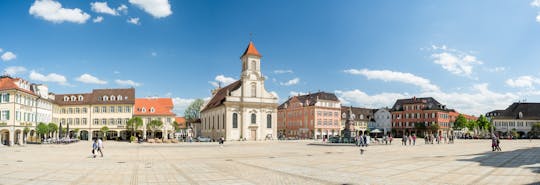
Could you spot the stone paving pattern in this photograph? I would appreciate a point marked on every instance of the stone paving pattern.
(276, 162)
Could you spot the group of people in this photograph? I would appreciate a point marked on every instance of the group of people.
(363, 140)
(431, 139)
(410, 138)
(495, 143)
(97, 146)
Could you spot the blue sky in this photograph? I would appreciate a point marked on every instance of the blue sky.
(474, 56)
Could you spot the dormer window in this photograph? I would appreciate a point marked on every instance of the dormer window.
(113, 98)
(152, 109)
(80, 98)
(520, 115)
(66, 98)
(73, 98)
(105, 98)
(119, 98)
(125, 97)
(143, 110)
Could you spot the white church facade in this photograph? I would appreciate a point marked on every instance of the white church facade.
(242, 109)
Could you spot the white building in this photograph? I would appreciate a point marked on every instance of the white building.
(383, 120)
(518, 116)
(243, 109)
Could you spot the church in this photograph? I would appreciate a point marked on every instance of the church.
(243, 110)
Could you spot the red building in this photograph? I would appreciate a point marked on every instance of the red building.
(416, 115)
(315, 115)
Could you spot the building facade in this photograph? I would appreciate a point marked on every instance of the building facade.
(243, 109)
(383, 120)
(424, 112)
(519, 117)
(149, 109)
(87, 113)
(361, 118)
(311, 116)
(22, 105)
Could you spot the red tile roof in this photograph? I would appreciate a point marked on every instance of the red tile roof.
(220, 96)
(251, 50)
(162, 107)
(8, 83)
(181, 121)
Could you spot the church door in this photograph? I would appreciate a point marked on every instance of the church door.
(253, 134)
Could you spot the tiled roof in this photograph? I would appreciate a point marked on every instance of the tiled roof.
(97, 95)
(357, 111)
(431, 103)
(8, 83)
(162, 107)
(181, 121)
(251, 50)
(220, 96)
(528, 111)
(312, 98)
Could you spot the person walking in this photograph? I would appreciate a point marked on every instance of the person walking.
(94, 148)
(414, 139)
(100, 146)
(391, 139)
(410, 139)
(493, 143)
(404, 140)
(498, 147)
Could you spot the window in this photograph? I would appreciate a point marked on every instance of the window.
(128, 109)
(70, 110)
(96, 121)
(103, 121)
(152, 109)
(77, 121)
(253, 67)
(119, 98)
(77, 110)
(253, 118)
(69, 120)
(119, 108)
(119, 121)
(83, 121)
(73, 98)
(269, 121)
(253, 90)
(112, 108)
(234, 120)
(63, 111)
(66, 98)
(62, 121)
(103, 109)
(96, 109)
(5, 97)
(105, 98)
(111, 121)
(5, 115)
(84, 110)
(113, 98)
(80, 98)
(143, 110)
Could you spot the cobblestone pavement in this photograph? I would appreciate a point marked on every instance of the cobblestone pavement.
(277, 162)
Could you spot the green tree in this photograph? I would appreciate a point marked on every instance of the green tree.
(472, 125)
(176, 126)
(461, 122)
(483, 123)
(42, 129)
(535, 129)
(133, 124)
(193, 112)
(434, 127)
(53, 128)
(154, 125)
(104, 131)
(420, 127)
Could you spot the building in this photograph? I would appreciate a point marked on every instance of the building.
(361, 118)
(149, 109)
(383, 120)
(519, 116)
(243, 109)
(422, 112)
(310, 116)
(22, 105)
(87, 113)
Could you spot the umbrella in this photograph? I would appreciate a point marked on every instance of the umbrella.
(376, 131)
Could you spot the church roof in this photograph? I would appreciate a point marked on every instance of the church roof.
(220, 96)
(251, 50)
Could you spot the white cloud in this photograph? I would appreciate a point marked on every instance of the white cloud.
(455, 61)
(51, 10)
(134, 20)
(98, 19)
(294, 93)
(538, 17)
(89, 79)
(123, 8)
(156, 8)
(14, 70)
(52, 77)
(103, 7)
(523, 81)
(293, 81)
(389, 76)
(535, 3)
(116, 72)
(282, 71)
(1, 50)
(7, 56)
(127, 83)
(479, 101)
(497, 69)
(180, 104)
(275, 94)
(222, 80)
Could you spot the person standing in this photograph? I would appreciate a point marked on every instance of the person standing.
(100, 146)
(404, 140)
(498, 142)
(94, 148)
(390, 139)
(414, 139)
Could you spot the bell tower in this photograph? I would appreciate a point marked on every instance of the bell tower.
(251, 63)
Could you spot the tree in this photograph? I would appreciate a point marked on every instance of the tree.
(176, 126)
(461, 122)
(472, 125)
(535, 129)
(134, 124)
(483, 123)
(53, 128)
(420, 127)
(154, 125)
(76, 132)
(193, 112)
(42, 129)
(434, 127)
(104, 131)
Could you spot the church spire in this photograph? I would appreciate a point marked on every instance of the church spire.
(251, 50)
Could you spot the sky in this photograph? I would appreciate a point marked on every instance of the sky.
(473, 56)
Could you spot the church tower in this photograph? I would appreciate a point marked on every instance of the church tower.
(252, 79)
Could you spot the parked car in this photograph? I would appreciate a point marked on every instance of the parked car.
(333, 139)
(203, 139)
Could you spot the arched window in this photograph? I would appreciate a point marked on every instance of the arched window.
(113, 98)
(234, 120)
(152, 110)
(73, 98)
(66, 98)
(80, 98)
(253, 118)
(268, 121)
(105, 98)
(253, 89)
(143, 109)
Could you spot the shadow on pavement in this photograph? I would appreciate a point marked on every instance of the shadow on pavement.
(527, 157)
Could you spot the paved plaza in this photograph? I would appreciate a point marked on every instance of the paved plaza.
(277, 162)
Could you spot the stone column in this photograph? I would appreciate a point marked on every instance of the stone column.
(144, 131)
(90, 135)
(11, 136)
(21, 142)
